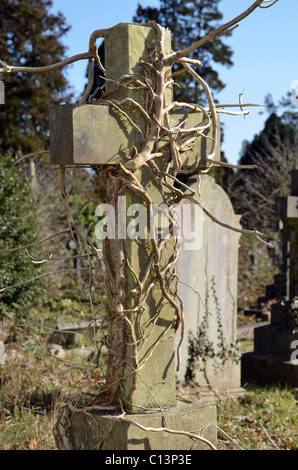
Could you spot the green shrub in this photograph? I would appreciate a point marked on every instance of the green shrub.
(16, 229)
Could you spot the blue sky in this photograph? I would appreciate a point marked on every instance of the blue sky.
(265, 56)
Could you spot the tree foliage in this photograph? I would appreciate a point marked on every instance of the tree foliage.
(190, 21)
(16, 229)
(30, 36)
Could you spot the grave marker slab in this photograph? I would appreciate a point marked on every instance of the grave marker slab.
(208, 288)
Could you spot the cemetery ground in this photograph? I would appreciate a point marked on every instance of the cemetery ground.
(35, 380)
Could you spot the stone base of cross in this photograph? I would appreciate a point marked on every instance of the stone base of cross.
(141, 338)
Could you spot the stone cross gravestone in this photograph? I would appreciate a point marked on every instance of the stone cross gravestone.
(274, 359)
(208, 272)
(141, 361)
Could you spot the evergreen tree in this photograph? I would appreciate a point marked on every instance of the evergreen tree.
(190, 21)
(288, 106)
(30, 36)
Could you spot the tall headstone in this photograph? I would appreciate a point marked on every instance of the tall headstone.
(141, 349)
(275, 345)
(208, 273)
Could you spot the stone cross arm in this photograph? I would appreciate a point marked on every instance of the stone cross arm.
(108, 134)
(97, 135)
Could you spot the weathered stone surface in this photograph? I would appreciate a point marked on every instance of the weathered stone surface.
(125, 45)
(81, 353)
(86, 431)
(92, 134)
(56, 350)
(65, 333)
(208, 276)
(155, 381)
(99, 135)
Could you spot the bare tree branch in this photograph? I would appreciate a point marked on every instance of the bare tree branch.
(11, 250)
(214, 34)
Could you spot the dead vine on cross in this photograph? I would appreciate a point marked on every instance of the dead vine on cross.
(155, 81)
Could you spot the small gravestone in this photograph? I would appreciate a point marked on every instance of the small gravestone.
(208, 270)
(274, 359)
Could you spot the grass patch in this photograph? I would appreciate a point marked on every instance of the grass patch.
(264, 412)
(247, 345)
(26, 429)
(33, 384)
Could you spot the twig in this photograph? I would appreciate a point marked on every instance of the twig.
(11, 250)
(211, 106)
(238, 105)
(228, 165)
(265, 430)
(268, 6)
(167, 430)
(59, 65)
(214, 34)
(29, 216)
(42, 152)
(87, 55)
(39, 277)
(229, 437)
(50, 258)
(256, 233)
